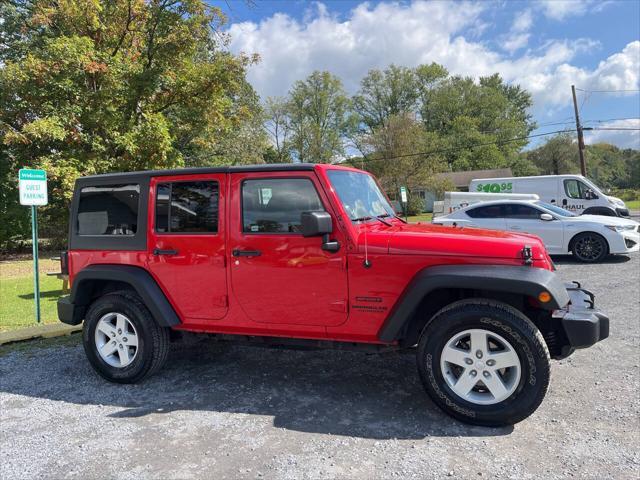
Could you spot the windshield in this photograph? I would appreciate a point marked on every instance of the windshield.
(360, 195)
(557, 210)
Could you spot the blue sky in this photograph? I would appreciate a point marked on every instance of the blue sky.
(544, 46)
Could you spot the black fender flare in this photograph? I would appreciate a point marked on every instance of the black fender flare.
(139, 279)
(527, 281)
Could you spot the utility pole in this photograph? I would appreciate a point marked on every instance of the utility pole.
(583, 165)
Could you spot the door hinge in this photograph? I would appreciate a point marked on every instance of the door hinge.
(339, 306)
(221, 301)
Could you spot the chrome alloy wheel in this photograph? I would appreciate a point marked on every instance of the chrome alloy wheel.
(480, 366)
(116, 340)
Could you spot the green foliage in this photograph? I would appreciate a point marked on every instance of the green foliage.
(317, 109)
(607, 165)
(278, 125)
(559, 155)
(393, 158)
(15, 224)
(383, 94)
(91, 86)
(610, 166)
(458, 123)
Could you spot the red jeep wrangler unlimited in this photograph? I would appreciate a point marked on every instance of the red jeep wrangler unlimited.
(314, 256)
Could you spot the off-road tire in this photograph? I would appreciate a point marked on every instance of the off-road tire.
(153, 340)
(507, 322)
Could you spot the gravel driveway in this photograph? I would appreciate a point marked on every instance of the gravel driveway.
(239, 412)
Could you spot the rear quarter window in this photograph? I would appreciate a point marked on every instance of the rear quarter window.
(490, 211)
(108, 210)
(109, 214)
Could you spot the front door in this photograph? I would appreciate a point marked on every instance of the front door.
(186, 243)
(526, 219)
(578, 196)
(277, 275)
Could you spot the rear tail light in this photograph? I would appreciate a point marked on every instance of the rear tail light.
(64, 263)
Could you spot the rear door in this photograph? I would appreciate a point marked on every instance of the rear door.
(277, 275)
(488, 216)
(187, 245)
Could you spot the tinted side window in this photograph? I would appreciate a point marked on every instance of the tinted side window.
(108, 210)
(275, 205)
(187, 207)
(522, 212)
(491, 211)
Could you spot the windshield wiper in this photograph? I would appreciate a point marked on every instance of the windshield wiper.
(394, 216)
(379, 218)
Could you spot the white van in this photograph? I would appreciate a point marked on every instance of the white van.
(456, 200)
(572, 192)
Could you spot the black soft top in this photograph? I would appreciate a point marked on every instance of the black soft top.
(126, 176)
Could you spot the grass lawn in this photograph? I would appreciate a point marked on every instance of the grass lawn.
(425, 217)
(17, 307)
(633, 204)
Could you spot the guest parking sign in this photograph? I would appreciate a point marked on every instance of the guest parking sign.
(33, 187)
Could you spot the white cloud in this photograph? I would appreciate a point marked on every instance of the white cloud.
(560, 9)
(621, 138)
(518, 36)
(522, 22)
(374, 36)
(512, 43)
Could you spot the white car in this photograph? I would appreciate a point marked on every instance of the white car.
(589, 238)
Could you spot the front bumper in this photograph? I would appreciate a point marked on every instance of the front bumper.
(583, 324)
(622, 212)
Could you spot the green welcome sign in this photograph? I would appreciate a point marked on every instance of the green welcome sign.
(32, 185)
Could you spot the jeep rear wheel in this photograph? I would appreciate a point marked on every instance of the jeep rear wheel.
(484, 362)
(122, 341)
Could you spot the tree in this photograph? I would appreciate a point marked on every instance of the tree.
(91, 86)
(278, 126)
(467, 113)
(383, 94)
(395, 160)
(610, 166)
(557, 156)
(318, 117)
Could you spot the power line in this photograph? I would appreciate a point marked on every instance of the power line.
(613, 128)
(606, 91)
(611, 120)
(456, 149)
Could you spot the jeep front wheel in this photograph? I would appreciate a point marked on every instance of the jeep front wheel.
(484, 362)
(122, 341)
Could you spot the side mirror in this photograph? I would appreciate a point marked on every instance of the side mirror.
(590, 195)
(315, 224)
(547, 217)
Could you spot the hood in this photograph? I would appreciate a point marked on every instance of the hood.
(603, 220)
(616, 201)
(429, 239)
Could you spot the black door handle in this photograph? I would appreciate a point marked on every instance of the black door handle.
(157, 251)
(564, 202)
(246, 253)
